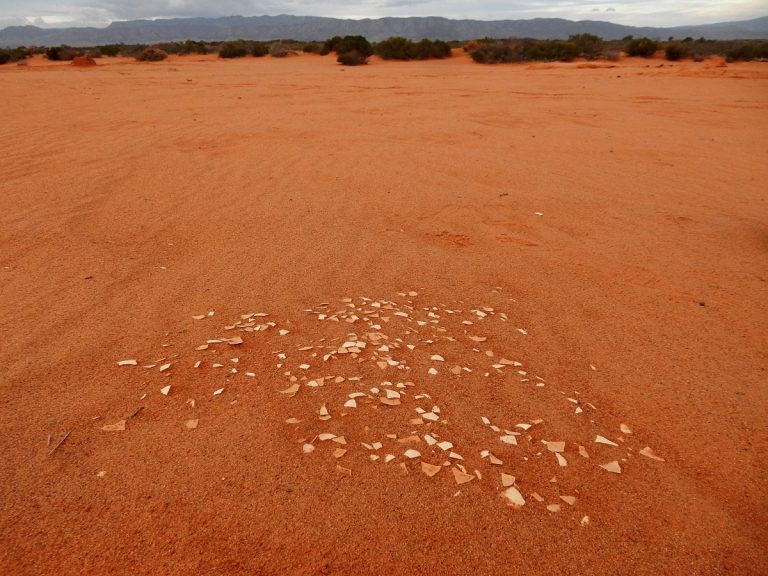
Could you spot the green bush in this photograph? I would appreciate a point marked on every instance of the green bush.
(524, 50)
(675, 51)
(259, 49)
(151, 54)
(589, 45)
(395, 48)
(644, 47)
(111, 50)
(353, 58)
(5, 56)
(747, 52)
(236, 49)
(348, 44)
(398, 48)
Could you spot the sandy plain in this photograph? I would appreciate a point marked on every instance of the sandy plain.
(134, 196)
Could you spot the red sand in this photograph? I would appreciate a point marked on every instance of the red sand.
(138, 195)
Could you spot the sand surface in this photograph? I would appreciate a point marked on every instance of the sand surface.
(136, 195)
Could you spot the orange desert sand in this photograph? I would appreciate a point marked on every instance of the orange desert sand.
(286, 317)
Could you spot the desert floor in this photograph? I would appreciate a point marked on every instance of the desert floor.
(605, 226)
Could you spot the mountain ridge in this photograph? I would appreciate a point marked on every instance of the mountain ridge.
(307, 28)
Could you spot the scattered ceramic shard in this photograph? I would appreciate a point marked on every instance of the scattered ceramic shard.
(536, 496)
(351, 403)
(291, 390)
(509, 439)
(625, 429)
(116, 427)
(584, 521)
(388, 458)
(437, 358)
(165, 367)
(218, 392)
(444, 445)
(507, 480)
(603, 440)
(198, 317)
(326, 436)
(553, 507)
(191, 424)
(390, 401)
(284, 332)
(583, 452)
(430, 416)
(493, 460)
(430, 469)
(461, 477)
(323, 412)
(339, 452)
(513, 497)
(411, 453)
(648, 453)
(292, 421)
(307, 448)
(561, 460)
(612, 467)
(570, 500)
(127, 363)
(432, 372)
(429, 439)
(555, 446)
(165, 390)
(485, 420)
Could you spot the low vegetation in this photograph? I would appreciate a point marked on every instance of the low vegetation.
(644, 47)
(151, 54)
(398, 48)
(355, 50)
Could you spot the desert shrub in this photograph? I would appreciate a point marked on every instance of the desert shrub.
(492, 53)
(398, 48)
(748, 51)
(312, 48)
(523, 50)
(589, 45)
(236, 49)
(193, 47)
(675, 51)
(394, 48)
(259, 49)
(5, 56)
(471, 45)
(110, 50)
(427, 49)
(278, 50)
(61, 53)
(644, 47)
(353, 58)
(343, 45)
(151, 54)
(611, 55)
(698, 58)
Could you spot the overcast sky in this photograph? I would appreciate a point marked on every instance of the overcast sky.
(57, 13)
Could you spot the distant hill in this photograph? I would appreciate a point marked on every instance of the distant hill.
(317, 28)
